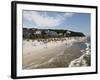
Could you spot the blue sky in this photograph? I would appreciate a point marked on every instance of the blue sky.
(79, 22)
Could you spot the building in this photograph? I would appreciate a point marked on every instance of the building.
(51, 33)
(38, 32)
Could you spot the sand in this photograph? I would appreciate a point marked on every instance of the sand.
(53, 54)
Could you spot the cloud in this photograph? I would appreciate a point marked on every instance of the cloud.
(69, 14)
(41, 20)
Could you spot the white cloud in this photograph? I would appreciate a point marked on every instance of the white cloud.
(40, 20)
(69, 14)
(45, 21)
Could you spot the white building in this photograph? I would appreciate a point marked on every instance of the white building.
(38, 32)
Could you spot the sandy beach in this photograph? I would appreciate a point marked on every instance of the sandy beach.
(53, 54)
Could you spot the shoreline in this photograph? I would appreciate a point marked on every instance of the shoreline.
(50, 55)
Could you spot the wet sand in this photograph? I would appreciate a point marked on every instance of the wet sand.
(52, 57)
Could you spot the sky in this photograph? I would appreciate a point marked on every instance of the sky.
(79, 22)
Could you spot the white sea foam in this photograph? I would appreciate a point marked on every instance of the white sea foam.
(82, 61)
(29, 46)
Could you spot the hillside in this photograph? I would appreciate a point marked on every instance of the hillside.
(34, 33)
